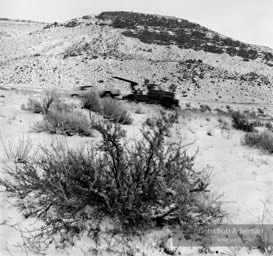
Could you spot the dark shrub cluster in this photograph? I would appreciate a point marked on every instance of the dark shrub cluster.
(269, 126)
(241, 122)
(184, 34)
(263, 140)
(204, 108)
(139, 19)
(137, 185)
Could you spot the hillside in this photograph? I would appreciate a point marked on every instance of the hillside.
(186, 35)
(198, 62)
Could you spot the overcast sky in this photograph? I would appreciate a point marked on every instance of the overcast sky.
(250, 21)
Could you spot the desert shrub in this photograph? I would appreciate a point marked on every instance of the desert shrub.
(220, 111)
(269, 126)
(204, 108)
(260, 111)
(171, 117)
(136, 186)
(257, 123)
(34, 105)
(225, 127)
(66, 123)
(115, 111)
(224, 124)
(263, 140)
(92, 101)
(62, 106)
(110, 108)
(263, 241)
(50, 100)
(18, 152)
(241, 122)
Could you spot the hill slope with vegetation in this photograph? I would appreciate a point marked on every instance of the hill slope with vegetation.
(196, 62)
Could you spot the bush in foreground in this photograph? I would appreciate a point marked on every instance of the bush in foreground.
(204, 108)
(66, 123)
(263, 140)
(137, 185)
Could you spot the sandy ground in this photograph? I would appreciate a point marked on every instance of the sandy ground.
(243, 175)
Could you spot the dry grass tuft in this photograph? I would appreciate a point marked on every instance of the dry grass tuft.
(66, 123)
(263, 140)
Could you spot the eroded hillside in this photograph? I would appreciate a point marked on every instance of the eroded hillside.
(178, 54)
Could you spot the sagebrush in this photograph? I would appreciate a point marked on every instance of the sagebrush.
(136, 184)
(241, 122)
(50, 99)
(65, 123)
(92, 101)
(110, 108)
(115, 111)
(263, 140)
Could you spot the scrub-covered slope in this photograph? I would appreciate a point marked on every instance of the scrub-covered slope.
(197, 62)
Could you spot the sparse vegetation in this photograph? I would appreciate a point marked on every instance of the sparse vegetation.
(66, 123)
(241, 122)
(115, 189)
(263, 140)
(269, 126)
(220, 111)
(137, 185)
(115, 111)
(18, 152)
(262, 239)
(204, 108)
(185, 34)
(51, 99)
(92, 101)
(225, 127)
(110, 108)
